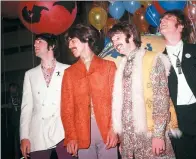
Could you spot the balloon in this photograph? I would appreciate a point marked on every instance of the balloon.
(170, 5)
(116, 9)
(102, 4)
(109, 24)
(53, 17)
(140, 21)
(158, 7)
(190, 12)
(97, 17)
(131, 6)
(146, 3)
(152, 16)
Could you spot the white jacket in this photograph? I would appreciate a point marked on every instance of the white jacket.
(40, 120)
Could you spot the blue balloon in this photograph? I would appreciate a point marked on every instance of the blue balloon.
(116, 9)
(170, 5)
(131, 6)
(152, 16)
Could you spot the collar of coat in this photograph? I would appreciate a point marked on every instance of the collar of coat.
(96, 64)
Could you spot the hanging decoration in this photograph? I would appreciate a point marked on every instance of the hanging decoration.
(140, 21)
(170, 5)
(109, 24)
(190, 12)
(158, 7)
(152, 16)
(116, 9)
(53, 17)
(146, 3)
(131, 6)
(98, 17)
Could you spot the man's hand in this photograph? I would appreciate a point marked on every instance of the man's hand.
(112, 139)
(72, 147)
(158, 146)
(25, 147)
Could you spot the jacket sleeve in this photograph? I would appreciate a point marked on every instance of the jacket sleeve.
(112, 71)
(26, 108)
(67, 108)
(160, 99)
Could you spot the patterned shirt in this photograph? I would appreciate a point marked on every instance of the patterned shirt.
(48, 72)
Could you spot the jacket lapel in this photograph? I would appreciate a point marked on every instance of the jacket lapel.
(56, 76)
(172, 82)
(41, 77)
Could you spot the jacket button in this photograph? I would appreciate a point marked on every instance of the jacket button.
(42, 104)
(42, 118)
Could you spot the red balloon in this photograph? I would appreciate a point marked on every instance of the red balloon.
(9, 9)
(53, 17)
(158, 7)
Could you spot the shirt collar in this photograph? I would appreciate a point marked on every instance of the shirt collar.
(52, 64)
(174, 49)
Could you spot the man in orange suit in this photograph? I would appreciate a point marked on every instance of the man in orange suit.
(86, 99)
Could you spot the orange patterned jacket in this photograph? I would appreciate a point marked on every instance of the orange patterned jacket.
(78, 87)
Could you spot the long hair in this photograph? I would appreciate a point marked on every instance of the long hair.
(181, 20)
(84, 34)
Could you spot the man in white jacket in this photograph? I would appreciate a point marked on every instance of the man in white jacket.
(41, 129)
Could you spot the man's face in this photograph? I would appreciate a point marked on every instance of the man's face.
(119, 43)
(41, 47)
(169, 25)
(76, 46)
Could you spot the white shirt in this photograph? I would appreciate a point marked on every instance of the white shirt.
(184, 96)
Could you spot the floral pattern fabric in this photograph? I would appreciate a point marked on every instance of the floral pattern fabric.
(48, 72)
(140, 145)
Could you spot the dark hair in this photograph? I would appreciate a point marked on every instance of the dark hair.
(85, 34)
(181, 20)
(128, 29)
(51, 39)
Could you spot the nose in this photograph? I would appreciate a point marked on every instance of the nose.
(163, 20)
(35, 44)
(113, 41)
(70, 45)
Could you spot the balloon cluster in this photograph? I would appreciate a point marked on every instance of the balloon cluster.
(145, 14)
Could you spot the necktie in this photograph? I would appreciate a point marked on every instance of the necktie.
(178, 63)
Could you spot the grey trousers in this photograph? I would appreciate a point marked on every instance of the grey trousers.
(97, 149)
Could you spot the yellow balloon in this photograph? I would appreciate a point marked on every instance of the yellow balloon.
(146, 3)
(98, 17)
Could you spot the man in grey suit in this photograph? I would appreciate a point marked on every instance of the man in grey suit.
(41, 129)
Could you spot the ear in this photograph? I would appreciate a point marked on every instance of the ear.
(180, 27)
(51, 48)
(131, 38)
